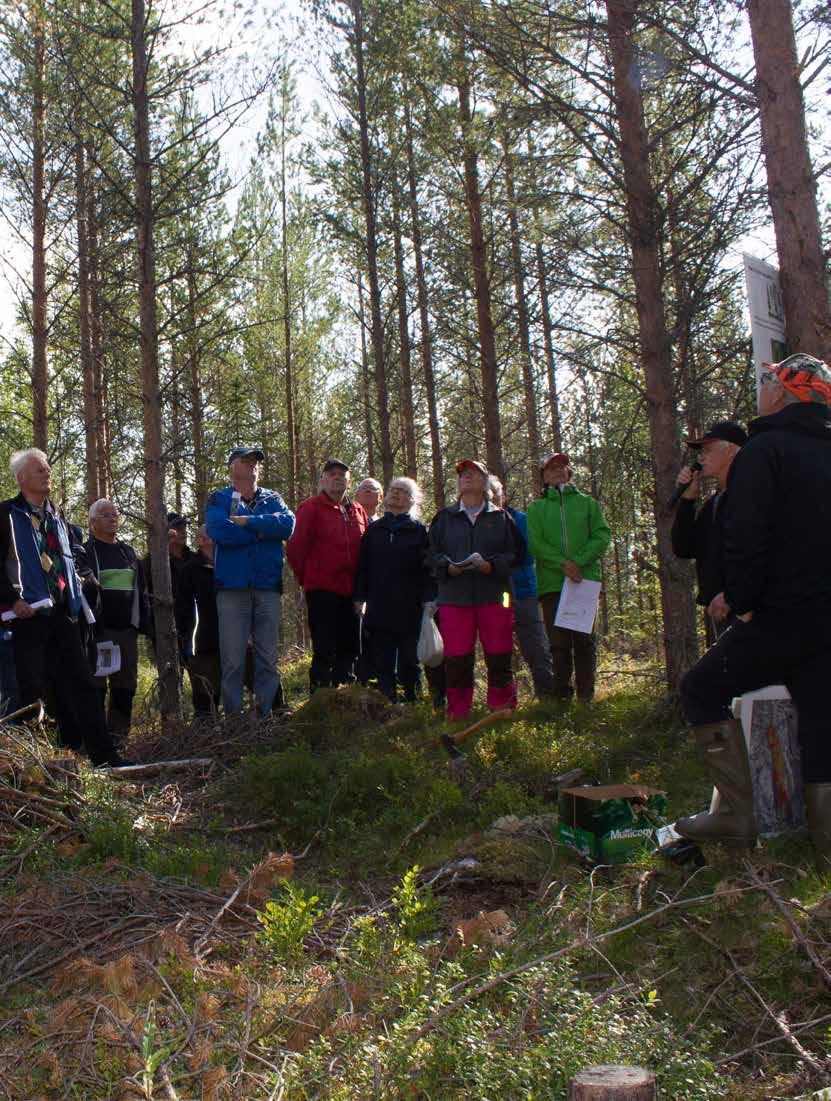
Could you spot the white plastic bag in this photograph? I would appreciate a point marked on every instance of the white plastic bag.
(430, 646)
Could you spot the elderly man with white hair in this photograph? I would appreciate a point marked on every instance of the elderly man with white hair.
(40, 595)
(115, 583)
(370, 496)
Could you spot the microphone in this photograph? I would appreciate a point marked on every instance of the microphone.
(681, 490)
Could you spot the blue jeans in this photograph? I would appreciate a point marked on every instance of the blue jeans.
(244, 614)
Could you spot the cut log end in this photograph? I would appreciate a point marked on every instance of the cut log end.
(613, 1083)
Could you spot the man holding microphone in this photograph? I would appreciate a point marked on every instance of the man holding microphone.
(699, 535)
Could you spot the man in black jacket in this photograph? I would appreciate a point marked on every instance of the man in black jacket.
(197, 625)
(115, 586)
(777, 531)
(700, 535)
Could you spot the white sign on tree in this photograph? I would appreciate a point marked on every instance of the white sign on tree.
(767, 313)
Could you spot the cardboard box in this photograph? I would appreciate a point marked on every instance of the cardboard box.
(611, 823)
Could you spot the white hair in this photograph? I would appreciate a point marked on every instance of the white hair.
(411, 488)
(96, 507)
(494, 487)
(20, 458)
(371, 483)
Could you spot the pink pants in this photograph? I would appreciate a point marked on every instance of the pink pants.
(495, 624)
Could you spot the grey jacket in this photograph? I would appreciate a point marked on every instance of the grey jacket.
(452, 538)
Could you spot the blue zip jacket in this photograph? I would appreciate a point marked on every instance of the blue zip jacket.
(249, 556)
(524, 576)
(22, 572)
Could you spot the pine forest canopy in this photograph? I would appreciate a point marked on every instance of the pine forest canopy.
(492, 229)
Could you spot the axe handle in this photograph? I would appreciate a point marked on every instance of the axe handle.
(489, 720)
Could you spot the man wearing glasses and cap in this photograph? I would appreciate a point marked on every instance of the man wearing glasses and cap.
(248, 525)
(700, 535)
(180, 554)
(323, 552)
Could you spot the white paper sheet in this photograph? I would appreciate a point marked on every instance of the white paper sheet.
(578, 605)
(8, 616)
(109, 659)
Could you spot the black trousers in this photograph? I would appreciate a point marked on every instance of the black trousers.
(335, 629)
(49, 658)
(793, 649)
(395, 662)
(573, 654)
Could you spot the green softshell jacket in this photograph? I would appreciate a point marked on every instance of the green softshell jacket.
(574, 530)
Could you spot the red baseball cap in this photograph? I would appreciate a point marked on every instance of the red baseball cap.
(554, 457)
(472, 464)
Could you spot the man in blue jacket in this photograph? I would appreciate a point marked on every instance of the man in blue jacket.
(40, 596)
(248, 525)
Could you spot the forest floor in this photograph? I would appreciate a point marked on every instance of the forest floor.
(324, 911)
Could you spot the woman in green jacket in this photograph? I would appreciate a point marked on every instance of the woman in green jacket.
(568, 536)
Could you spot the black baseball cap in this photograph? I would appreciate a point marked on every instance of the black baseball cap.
(246, 453)
(334, 464)
(177, 520)
(729, 431)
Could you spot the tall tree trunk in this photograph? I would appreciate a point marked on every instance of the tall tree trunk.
(424, 316)
(545, 315)
(481, 283)
(40, 426)
(369, 200)
(521, 302)
(197, 410)
(176, 426)
(170, 703)
(680, 639)
(365, 382)
(91, 466)
(791, 181)
(292, 465)
(548, 345)
(96, 342)
(407, 405)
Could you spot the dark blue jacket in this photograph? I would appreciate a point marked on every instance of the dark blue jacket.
(524, 576)
(249, 556)
(21, 572)
(392, 574)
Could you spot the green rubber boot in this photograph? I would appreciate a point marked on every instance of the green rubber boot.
(733, 821)
(818, 809)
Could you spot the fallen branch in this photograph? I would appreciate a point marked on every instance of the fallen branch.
(799, 936)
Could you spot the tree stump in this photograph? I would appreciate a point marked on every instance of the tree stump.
(613, 1083)
(769, 722)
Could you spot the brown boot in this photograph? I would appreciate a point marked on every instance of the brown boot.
(818, 809)
(733, 821)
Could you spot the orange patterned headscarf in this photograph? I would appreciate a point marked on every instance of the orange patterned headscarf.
(808, 378)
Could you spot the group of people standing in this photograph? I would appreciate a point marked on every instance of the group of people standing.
(75, 606)
(368, 578)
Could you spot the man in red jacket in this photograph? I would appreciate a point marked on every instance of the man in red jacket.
(323, 552)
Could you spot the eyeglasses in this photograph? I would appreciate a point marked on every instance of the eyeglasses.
(767, 377)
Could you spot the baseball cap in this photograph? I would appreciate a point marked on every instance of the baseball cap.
(246, 453)
(729, 431)
(554, 457)
(177, 520)
(806, 377)
(334, 464)
(472, 464)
